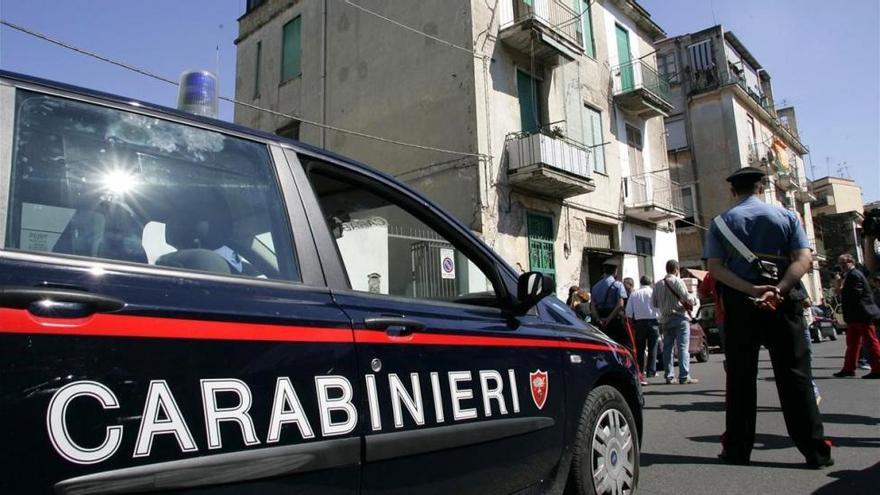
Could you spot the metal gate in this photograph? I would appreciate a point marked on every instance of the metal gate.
(428, 282)
(425, 254)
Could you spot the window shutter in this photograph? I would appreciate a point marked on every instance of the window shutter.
(593, 137)
(701, 54)
(586, 24)
(291, 50)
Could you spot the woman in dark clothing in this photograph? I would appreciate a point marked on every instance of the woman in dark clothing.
(580, 304)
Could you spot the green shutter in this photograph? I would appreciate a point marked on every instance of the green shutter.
(587, 27)
(541, 237)
(257, 69)
(593, 138)
(624, 54)
(291, 50)
(527, 90)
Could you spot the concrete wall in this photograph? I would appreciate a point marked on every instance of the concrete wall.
(382, 80)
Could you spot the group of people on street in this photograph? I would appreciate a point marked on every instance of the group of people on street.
(636, 318)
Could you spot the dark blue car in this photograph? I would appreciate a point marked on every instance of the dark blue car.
(188, 306)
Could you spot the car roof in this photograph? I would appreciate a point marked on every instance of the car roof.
(137, 103)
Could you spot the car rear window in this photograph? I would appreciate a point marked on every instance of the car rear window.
(104, 183)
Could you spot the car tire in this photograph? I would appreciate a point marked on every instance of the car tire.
(606, 434)
(833, 336)
(703, 355)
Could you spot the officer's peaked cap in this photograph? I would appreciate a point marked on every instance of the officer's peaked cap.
(746, 175)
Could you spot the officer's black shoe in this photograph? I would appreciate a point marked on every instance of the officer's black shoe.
(872, 375)
(734, 461)
(844, 374)
(820, 464)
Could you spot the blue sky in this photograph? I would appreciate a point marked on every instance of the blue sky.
(824, 58)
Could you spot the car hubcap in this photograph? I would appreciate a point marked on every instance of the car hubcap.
(613, 458)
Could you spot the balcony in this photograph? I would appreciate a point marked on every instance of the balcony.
(653, 197)
(545, 29)
(714, 78)
(640, 90)
(787, 180)
(548, 165)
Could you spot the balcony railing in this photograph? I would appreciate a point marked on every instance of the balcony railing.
(639, 88)
(549, 164)
(653, 196)
(713, 78)
(555, 22)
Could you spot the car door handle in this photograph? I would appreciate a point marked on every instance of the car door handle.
(58, 303)
(395, 326)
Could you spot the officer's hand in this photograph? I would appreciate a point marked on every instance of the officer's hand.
(758, 291)
(769, 300)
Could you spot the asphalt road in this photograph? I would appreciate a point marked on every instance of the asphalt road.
(683, 424)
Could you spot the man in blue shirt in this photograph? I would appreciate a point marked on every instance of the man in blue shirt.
(764, 311)
(607, 306)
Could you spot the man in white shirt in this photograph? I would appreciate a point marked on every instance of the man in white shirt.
(641, 310)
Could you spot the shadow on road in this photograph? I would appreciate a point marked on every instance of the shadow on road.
(850, 419)
(649, 459)
(661, 390)
(764, 441)
(703, 407)
(850, 481)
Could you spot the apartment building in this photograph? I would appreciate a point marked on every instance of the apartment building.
(838, 213)
(550, 113)
(724, 118)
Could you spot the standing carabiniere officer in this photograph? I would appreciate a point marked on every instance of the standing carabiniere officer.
(761, 309)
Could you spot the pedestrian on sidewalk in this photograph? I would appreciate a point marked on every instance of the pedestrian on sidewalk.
(640, 309)
(674, 304)
(607, 307)
(762, 307)
(859, 313)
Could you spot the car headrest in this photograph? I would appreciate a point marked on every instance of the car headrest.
(202, 221)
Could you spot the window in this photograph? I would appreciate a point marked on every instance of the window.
(689, 205)
(291, 50)
(645, 250)
(257, 69)
(702, 57)
(387, 250)
(103, 183)
(529, 102)
(667, 67)
(634, 140)
(585, 26)
(676, 137)
(252, 4)
(593, 138)
(289, 130)
(541, 237)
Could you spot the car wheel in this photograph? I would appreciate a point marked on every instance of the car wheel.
(833, 336)
(606, 456)
(703, 355)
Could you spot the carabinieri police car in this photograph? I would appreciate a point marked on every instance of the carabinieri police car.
(189, 306)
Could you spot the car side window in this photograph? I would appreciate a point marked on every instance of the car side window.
(104, 183)
(387, 250)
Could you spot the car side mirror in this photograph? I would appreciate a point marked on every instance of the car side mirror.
(531, 288)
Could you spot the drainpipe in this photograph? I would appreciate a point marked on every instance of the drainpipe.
(324, 73)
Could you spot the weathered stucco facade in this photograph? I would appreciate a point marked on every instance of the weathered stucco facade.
(463, 92)
(724, 119)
